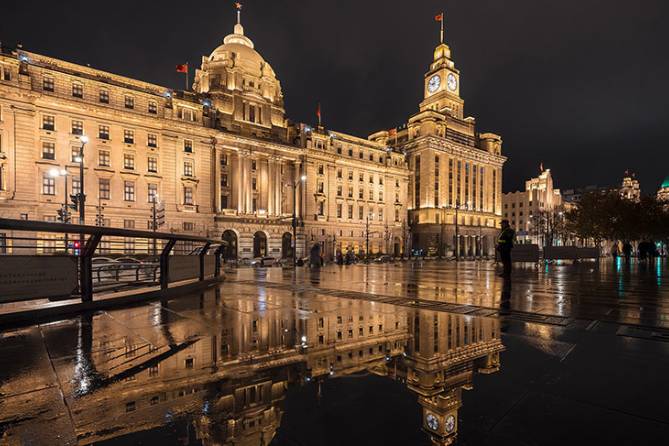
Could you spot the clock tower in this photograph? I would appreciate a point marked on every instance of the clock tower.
(442, 85)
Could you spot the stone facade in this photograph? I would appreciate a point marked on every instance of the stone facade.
(225, 161)
(457, 172)
(531, 211)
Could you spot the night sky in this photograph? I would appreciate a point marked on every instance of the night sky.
(581, 85)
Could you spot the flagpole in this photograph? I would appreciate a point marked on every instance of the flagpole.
(187, 68)
(442, 27)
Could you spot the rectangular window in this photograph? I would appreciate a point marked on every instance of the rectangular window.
(77, 128)
(224, 160)
(48, 150)
(380, 195)
(224, 180)
(152, 140)
(129, 102)
(152, 194)
(188, 146)
(380, 214)
(350, 212)
(320, 187)
(103, 97)
(361, 193)
(188, 195)
(153, 108)
(129, 191)
(77, 90)
(339, 206)
(320, 169)
(48, 122)
(339, 190)
(371, 194)
(129, 161)
(104, 189)
(254, 184)
(47, 83)
(76, 185)
(103, 132)
(224, 201)
(128, 136)
(48, 184)
(361, 213)
(104, 158)
(188, 169)
(75, 155)
(152, 164)
(350, 191)
(339, 173)
(321, 208)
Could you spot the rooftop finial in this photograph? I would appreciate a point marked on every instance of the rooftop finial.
(238, 7)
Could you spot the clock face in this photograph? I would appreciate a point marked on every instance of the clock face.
(432, 422)
(450, 423)
(434, 83)
(452, 82)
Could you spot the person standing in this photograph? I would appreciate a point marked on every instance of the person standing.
(504, 247)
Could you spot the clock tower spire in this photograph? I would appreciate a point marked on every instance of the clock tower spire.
(442, 81)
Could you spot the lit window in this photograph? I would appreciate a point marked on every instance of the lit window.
(48, 122)
(129, 161)
(153, 107)
(103, 132)
(128, 136)
(48, 150)
(47, 83)
(129, 102)
(152, 140)
(152, 192)
(77, 90)
(103, 97)
(129, 191)
(77, 128)
(104, 189)
(104, 158)
(48, 184)
(188, 195)
(188, 169)
(188, 146)
(152, 164)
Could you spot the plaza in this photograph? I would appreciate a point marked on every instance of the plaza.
(338, 355)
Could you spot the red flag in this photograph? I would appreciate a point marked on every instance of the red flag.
(541, 167)
(182, 68)
(392, 132)
(439, 17)
(318, 113)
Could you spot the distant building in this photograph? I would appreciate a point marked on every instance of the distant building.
(629, 189)
(531, 212)
(663, 191)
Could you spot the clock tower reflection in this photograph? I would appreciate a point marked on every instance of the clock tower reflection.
(225, 376)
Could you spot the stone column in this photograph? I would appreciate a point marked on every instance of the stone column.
(271, 187)
(279, 190)
(217, 179)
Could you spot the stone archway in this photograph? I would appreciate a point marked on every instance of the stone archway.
(286, 245)
(230, 250)
(259, 244)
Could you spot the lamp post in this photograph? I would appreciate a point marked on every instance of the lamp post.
(55, 173)
(457, 232)
(82, 195)
(303, 178)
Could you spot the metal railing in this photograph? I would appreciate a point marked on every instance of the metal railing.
(94, 258)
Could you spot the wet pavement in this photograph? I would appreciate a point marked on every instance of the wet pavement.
(414, 353)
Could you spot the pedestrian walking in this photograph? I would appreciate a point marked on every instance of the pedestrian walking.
(504, 247)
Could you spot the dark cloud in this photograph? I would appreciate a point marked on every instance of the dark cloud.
(578, 84)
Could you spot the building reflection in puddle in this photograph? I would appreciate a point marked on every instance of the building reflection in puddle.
(224, 364)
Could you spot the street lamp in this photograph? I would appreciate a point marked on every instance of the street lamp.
(82, 196)
(55, 173)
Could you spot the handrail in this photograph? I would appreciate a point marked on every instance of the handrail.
(43, 226)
